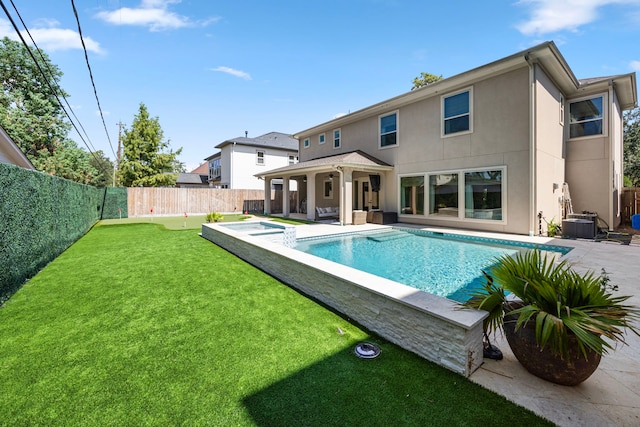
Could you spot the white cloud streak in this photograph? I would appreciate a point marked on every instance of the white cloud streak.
(549, 16)
(635, 65)
(152, 14)
(232, 72)
(50, 38)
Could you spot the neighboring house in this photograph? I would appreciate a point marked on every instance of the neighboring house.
(197, 178)
(240, 159)
(11, 153)
(488, 149)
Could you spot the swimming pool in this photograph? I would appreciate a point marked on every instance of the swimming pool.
(445, 265)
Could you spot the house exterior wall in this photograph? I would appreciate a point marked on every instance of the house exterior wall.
(240, 164)
(549, 151)
(500, 139)
(587, 167)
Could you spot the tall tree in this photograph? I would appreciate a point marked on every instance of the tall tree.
(425, 79)
(29, 110)
(104, 166)
(32, 115)
(632, 146)
(148, 161)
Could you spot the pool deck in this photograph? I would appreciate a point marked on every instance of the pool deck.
(611, 396)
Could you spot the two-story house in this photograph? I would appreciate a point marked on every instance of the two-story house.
(241, 158)
(489, 149)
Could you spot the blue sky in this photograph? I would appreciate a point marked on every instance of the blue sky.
(211, 70)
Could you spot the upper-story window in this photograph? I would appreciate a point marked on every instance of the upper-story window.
(293, 159)
(321, 138)
(306, 143)
(260, 157)
(456, 113)
(215, 168)
(336, 138)
(389, 130)
(586, 117)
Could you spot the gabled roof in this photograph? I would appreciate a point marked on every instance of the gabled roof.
(11, 153)
(358, 160)
(275, 140)
(192, 178)
(545, 54)
(202, 169)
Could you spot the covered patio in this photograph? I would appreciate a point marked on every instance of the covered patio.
(349, 181)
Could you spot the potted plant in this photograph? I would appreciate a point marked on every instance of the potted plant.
(557, 321)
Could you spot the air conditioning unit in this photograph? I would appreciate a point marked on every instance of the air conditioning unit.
(593, 217)
(576, 228)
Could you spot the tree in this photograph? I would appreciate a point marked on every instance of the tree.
(29, 110)
(146, 161)
(104, 166)
(631, 146)
(425, 79)
(32, 115)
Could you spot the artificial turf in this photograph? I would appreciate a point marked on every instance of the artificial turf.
(141, 325)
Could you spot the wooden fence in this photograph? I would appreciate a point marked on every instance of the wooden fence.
(144, 201)
(629, 204)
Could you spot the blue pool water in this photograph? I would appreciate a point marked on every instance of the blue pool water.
(443, 265)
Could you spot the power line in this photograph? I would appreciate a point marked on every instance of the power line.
(51, 73)
(53, 91)
(86, 58)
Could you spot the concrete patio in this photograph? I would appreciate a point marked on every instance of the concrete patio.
(611, 396)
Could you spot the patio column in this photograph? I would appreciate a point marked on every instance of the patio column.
(267, 196)
(311, 196)
(347, 196)
(286, 209)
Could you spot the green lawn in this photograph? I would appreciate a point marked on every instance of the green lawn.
(136, 324)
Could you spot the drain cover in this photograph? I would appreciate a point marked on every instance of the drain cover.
(367, 350)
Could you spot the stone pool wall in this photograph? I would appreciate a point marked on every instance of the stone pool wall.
(433, 327)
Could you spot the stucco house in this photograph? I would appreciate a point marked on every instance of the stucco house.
(488, 149)
(241, 158)
(11, 153)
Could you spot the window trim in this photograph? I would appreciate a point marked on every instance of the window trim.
(470, 113)
(339, 138)
(322, 138)
(306, 143)
(260, 160)
(461, 217)
(324, 189)
(396, 131)
(605, 116)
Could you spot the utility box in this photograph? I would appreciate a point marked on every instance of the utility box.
(576, 228)
(589, 217)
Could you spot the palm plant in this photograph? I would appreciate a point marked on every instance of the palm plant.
(559, 300)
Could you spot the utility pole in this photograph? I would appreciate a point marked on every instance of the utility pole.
(117, 165)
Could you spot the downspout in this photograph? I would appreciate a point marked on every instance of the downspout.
(231, 165)
(533, 184)
(612, 179)
(341, 199)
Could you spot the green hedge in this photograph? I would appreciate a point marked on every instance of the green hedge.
(41, 216)
(115, 198)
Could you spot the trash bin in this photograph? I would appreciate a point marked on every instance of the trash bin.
(635, 221)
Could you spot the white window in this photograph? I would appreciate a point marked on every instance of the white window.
(388, 130)
(336, 138)
(561, 110)
(293, 159)
(586, 117)
(321, 138)
(456, 113)
(260, 157)
(306, 143)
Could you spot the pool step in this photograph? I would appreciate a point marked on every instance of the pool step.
(388, 236)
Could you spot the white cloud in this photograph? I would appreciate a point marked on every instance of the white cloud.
(548, 16)
(50, 38)
(337, 116)
(231, 71)
(153, 14)
(635, 65)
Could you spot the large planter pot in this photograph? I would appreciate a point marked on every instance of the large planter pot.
(571, 370)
